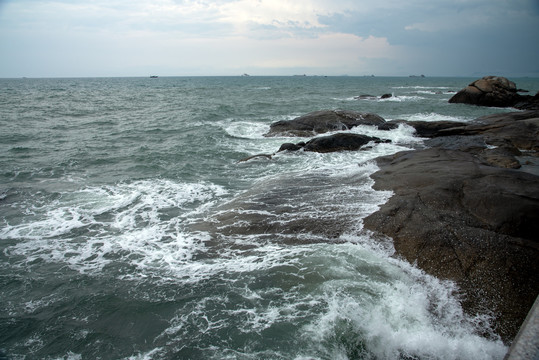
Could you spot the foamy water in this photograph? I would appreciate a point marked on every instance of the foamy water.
(131, 231)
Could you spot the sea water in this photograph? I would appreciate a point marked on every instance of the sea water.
(129, 230)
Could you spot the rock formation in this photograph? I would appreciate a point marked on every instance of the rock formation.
(466, 208)
(495, 91)
(461, 212)
(320, 122)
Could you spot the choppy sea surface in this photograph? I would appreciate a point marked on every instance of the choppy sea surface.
(128, 229)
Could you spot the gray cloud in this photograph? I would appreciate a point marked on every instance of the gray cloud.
(173, 37)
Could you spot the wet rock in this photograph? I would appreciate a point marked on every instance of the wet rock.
(390, 125)
(503, 157)
(293, 208)
(528, 103)
(372, 97)
(462, 143)
(291, 147)
(323, 121)
(340, 142)
(461, 220)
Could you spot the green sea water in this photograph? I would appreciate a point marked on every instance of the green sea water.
(130, 231)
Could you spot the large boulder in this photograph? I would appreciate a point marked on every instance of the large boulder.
(495, 91)
(323, 121)
(461, 211)
(459, 219)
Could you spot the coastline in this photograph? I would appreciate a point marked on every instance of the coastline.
(141, 199)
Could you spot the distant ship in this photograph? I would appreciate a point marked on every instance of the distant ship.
(153, 76)
(246, 74)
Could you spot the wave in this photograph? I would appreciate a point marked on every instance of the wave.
(427, 92)
(348, 300)
(421, 87)
(390, 328)
(90, 228)
(245, 129)
(307, 295)
(434, 117)
(402, 98)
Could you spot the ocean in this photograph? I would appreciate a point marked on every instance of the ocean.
(129, 230)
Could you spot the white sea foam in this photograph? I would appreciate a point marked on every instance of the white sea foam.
(246, 129)
(393, 98)
(352, 98)
(86, 229)
(426, 92)
(338, 297)
(403, 98)
(421, 87)
(393, 308)
(345, 298)
(148, 355)
(433, 117)
(401, 138)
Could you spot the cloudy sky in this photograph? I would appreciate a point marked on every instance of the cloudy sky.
(57, 38)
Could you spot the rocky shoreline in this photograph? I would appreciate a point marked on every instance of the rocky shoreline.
(467, 209)
(465, 204)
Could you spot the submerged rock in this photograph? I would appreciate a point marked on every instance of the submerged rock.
(495, 91)
(323, 121)
(291, 147)
(372, 97)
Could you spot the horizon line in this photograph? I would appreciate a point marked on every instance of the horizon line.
(249, 75)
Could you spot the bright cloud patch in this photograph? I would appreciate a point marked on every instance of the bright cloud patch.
(280, 13)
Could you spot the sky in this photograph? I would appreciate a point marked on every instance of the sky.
(95, 38)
